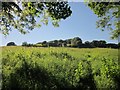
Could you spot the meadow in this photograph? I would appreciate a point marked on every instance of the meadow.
(35, 68)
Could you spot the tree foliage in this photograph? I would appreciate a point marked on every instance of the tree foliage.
(75, 42)
(11, 44)
(24, 44)
(25, 16)
(109, 16)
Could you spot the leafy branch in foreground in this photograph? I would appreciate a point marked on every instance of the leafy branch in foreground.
(109, 16)
(25, 16)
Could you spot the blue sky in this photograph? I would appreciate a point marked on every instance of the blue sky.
(81, 24)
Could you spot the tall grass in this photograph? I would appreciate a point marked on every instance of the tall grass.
(59, 68)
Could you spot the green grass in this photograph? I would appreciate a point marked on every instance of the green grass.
(57, 68)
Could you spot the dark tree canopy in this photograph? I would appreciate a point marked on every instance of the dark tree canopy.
(24, 16)
(109, 16)
(76, 42)
(11, 44)
(24, 44)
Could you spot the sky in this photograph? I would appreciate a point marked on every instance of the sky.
(82, 23)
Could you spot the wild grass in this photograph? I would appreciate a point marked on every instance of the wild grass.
(59, 68)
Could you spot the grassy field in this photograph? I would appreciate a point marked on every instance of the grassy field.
(59, 68)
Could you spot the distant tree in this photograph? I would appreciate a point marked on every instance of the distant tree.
(112, 45)
(30, 45)
(102, 43)
(76, 42)
(51, 44)
(24, 44)
(60, 43)
(119, 44)
(64, 43)
(44, 44)
(95, 43)
(11, 44)
(55, 43)
(37, 45)
(88, 44)
(68, 41)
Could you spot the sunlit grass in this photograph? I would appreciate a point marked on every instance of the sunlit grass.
(56, 68)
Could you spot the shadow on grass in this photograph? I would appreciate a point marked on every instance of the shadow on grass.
(117, 81)
(29, 77)
(87, 83)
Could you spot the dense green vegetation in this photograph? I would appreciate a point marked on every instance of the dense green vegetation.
(58, 68)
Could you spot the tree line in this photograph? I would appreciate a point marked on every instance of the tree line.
(75, 42)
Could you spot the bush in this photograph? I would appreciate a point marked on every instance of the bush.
(11, 44)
